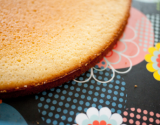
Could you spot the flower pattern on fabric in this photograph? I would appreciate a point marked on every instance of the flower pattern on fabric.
(102, 117)
(153, 60)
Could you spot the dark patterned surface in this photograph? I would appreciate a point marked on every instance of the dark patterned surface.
(66, 101)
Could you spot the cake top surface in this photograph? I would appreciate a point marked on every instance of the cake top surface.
(42, 40)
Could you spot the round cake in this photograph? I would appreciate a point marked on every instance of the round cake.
(45, 43)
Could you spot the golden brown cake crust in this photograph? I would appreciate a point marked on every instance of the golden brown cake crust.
(70, 74)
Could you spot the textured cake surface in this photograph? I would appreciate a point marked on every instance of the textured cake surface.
(43, 40)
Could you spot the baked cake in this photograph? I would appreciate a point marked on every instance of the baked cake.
(45, 43)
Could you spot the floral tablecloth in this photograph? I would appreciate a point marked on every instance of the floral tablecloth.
(123, 88)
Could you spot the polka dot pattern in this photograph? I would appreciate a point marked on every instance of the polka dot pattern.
(138, 116)
(65, 102)
(155, 20)
(145, 34)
